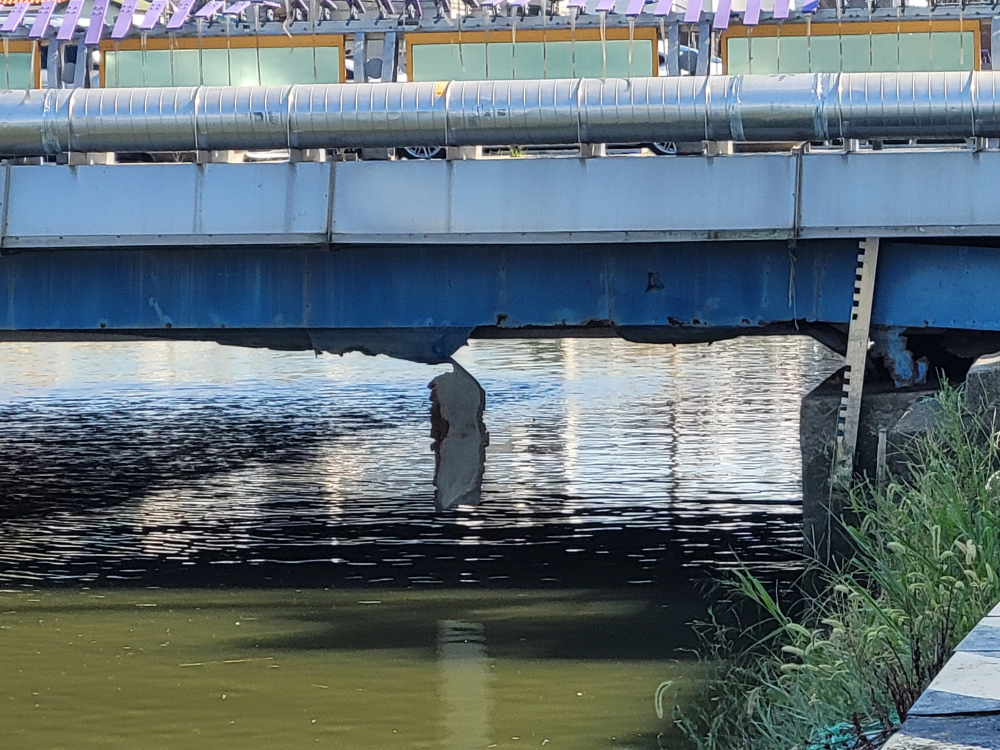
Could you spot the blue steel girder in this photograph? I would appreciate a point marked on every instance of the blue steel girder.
(706, 285)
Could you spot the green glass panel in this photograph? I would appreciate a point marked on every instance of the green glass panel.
(15, 73)
(763, 55)
(951, 51)
(499, 62)
(885, 53)
(913, 51)
(559, 60)
(824, 54)
(856, 53)
(529, 60)
(792, 53)
(466, 62)
(285, 65)
(243, 69)
(222, 67)
(589, 61)
(737, 56)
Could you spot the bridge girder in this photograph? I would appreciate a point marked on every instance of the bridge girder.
(423, 302)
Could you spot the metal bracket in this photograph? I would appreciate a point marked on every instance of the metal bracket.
(674, 50)
(390, 57)
(704, 48)
(360, 58)
(53, 65)
(849, 413)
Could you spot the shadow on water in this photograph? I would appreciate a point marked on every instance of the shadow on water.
(240, 548)
(86, 453)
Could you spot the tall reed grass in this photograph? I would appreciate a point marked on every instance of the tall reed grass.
(865, 639)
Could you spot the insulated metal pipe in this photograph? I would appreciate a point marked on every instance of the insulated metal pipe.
(566, 111)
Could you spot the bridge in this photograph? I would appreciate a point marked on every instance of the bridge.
(411, 259)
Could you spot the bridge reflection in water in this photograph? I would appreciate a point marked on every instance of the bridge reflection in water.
(184, 522)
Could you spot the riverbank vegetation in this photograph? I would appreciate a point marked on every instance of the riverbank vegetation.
(843, 665)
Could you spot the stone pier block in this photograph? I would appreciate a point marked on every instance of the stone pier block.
(460, 437)
(881, 408)
(982, 384)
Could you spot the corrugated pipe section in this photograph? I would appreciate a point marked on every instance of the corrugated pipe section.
(740, 108)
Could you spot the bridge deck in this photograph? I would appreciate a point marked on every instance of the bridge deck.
(919, 192)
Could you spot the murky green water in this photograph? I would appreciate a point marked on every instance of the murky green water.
(276, 669)
(212, 548)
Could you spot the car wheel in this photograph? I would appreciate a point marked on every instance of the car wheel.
(663, 148)
(422, 152)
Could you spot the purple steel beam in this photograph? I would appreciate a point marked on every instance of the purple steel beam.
(751, 16)
(781, 9)
(387, 7)
(663, 8)
(236, 8)
(96, 29)
(42, 18)
(635, 8)
(123, 24)
(271, 4)
(721, 20)
(16, 16)
(356, 7)
(693, 12)
(810, 6)
(490, 3)
(415, 8)
(180, 15)
(153, 14)
(70, 17)
(517, 3)
(606, 6)
(579, 4)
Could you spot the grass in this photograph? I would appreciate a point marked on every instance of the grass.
(842, 667)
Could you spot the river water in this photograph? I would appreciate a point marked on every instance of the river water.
(207, 547)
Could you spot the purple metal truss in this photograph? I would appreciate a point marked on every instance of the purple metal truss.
(16, 16)
(180, 16)
(42, 18)
(123, 24)
(153, 14)
(70, 17)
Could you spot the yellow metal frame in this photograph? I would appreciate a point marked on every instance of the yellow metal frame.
(853, 28)
(215, 42)
(644, 33)
(27, 45)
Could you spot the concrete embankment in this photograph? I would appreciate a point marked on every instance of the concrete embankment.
(960, 710)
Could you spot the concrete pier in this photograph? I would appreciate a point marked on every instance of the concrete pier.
(881, 408)
(460, 437)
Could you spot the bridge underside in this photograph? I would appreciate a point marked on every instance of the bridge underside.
(422, 302)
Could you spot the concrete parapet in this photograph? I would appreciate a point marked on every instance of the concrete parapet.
(460, 437)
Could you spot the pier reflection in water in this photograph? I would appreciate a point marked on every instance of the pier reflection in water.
(182, 522)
